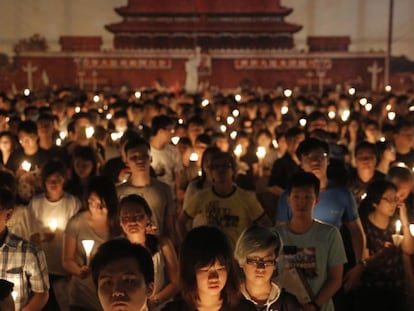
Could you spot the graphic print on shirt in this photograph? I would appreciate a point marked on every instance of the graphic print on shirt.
(221, 216)
(302, 258)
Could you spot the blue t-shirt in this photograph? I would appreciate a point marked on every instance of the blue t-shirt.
(336, 205)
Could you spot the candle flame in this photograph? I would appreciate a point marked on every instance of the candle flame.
(26, 165)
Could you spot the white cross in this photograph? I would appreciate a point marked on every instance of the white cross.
(30, 70)
(374, 70)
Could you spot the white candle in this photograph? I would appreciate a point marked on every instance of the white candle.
(137, 94)
(233, 135)
(230, 120)
(53, 224)
(108, 116)
(345, 115)
(235, 113)
(287, 92)
(331, 114)
(96, 98)
(194, 157)
(175, 140)
(26, 165)
(302, 122)
(237, 97)
(391, 115)
(223, 128)
(368, 107)
(58, 142)
(398, 227)
(63, 135)
(88, 246)
(205, 103)
(284, 109)
(238, 151)
(261, 152)
(363, 196)
(351, 91)
(89, 131)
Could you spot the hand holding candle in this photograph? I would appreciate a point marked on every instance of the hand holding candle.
(53, 224)
(397, 237)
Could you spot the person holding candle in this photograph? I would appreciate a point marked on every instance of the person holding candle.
(208, 274)
(53, 209)
(382, 284)
(135, 217)
(98, 223)
(25, 265)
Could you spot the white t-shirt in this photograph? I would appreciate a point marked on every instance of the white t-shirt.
(166, 163)
(59, 212)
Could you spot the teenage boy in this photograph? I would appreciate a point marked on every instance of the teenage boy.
(313, 247)
(22, 262)
(123, 274)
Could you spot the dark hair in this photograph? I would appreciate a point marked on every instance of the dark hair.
(85, 153)
(204, 139)
(8, 181)
(151, 242)
(6, 288)
(118, 249)
(46, 117)
(27, 126)
(293, 132)
(128, 135)
(160, 122)
(201, 247)
(210, 151)
(51, 167)
(106, 191)
(366, 146)
(225, 155)
(309, 145)
(403, 124)
(401, 173)
(375, 191)
(304, 179)
(135, 143)
(6, 199)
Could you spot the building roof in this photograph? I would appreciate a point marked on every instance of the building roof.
(191, 7)
(189, 27)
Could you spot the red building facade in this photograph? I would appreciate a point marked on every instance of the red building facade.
(239, 40)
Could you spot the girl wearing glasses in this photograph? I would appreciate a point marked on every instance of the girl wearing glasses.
(208, 274)
(135, 216)
(257, 250)
(382, 286)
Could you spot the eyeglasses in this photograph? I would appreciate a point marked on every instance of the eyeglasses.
(260, 262)
(390, 201)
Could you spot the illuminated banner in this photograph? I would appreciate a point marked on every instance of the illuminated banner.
(125, 63)
(282, 64)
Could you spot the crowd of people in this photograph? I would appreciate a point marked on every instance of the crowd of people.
(251, 200)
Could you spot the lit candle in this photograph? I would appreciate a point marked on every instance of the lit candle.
(63, 135)
(331, 114)
(223, 128)
(89, 131)
(345, 115)
(275, 143)
(388, 107)
(237, 97)
(235, 113)
(53, 224)
(26, 165)
(96, 98)
(175, 140)
(388, 88)
(238, 151)
(363, 101)
(368, 107)
(88, 246)
(14, 295)
(108, 116)
(261, 152)
(205, 103)
(230, 120)
(363, 196)
(284, 109)
(77, 109)
(26, 92)
(200, 173)
(180, 121)
(194, 157)
(138, 94)
(287, 93)
(391, 115)
(351, 91)
(58, 142)
(233, 135)
(398, 227)
(302, 122)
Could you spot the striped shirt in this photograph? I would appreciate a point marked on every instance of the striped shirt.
(23, 264)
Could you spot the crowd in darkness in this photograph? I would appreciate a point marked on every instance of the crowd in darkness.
(250, 200)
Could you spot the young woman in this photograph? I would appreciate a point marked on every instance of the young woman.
(207, 272)
(257, 251)
(135, 216)
(383, 276)
(52, 210)
(7, 146)
(84, 167)
(98, 223)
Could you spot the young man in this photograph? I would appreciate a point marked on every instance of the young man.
(224, 204)
(156, 193)
(336, 205)
(365, 170)
(123, 274)
(403, 140)
(313, 247)
(22, 262)
(166, 160)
